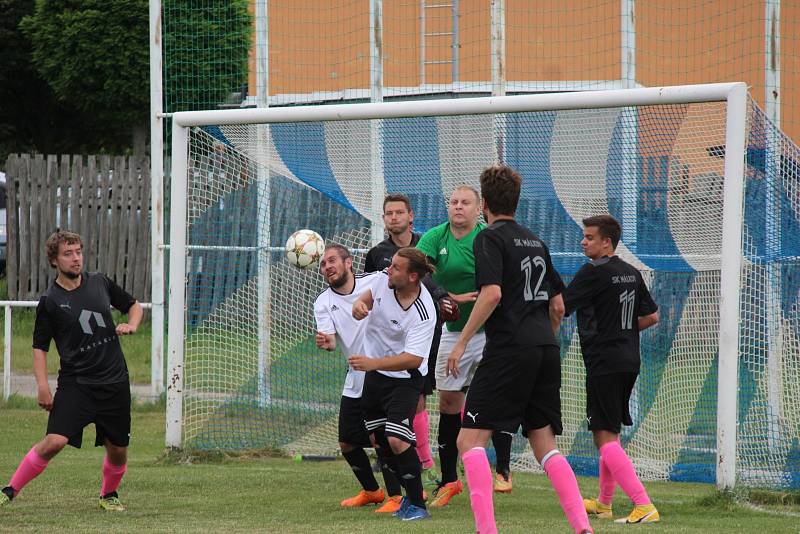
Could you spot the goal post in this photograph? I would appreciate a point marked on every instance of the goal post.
(669, 161)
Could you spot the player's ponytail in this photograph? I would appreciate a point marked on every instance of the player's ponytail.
(417, 261)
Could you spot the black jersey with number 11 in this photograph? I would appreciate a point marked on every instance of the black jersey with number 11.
(609, 295)
(511, 256)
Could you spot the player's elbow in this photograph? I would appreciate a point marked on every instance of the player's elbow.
(414, 362)
(492, 294)
(648, 320)
(557, 308)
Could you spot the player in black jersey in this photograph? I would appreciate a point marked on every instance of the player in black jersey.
(93, 384)
(398, 218)
(613, 306)
(519, 378)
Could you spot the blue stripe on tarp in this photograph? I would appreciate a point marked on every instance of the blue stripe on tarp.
(411, 167)
(652, 225)
(527, 149)
(302, 148)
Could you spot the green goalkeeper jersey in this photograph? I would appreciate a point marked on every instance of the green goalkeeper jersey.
(455, 264)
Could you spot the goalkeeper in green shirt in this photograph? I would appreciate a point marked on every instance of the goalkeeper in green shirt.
(449, 246)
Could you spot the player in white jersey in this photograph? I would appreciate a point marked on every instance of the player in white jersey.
(400, 321)
(336, 327)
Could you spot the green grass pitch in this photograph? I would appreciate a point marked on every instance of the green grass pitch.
(262, 494)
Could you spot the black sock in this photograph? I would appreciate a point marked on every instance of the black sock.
(393, 487)
(391, 471)
(449, 426)
(359, 463)
(411, 475)
(502, 449)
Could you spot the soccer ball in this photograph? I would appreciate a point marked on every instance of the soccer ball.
(304, 248)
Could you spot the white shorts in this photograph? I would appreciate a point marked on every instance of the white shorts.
(467, 364)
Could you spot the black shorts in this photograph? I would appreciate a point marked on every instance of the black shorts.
(391, 402)
(108, 406)
(430, 379)
(352, 429)
(607, 399)
(515, 389)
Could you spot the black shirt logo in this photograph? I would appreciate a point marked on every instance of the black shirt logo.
(86, 325)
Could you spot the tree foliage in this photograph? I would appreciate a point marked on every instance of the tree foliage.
(78, 70)
(32, 119)
(94, 55)
(206, 46)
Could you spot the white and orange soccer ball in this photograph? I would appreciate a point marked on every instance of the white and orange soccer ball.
(304, 249)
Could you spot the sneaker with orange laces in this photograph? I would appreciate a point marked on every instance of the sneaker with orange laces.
(502, 484)
(364, 498)
(391, 505)
(445, 492)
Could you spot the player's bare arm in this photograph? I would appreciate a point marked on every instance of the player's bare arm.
(401, 362)
(135, 314)
(556, 312)
(363, 305)
(464, 298)
(646, 321)
(325, 341)
(488, 299)
(45, 396)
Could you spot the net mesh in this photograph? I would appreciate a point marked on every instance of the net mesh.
(320, 50)
(254, 378)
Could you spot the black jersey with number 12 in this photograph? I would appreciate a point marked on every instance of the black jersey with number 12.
(511, 256)
(609, 295)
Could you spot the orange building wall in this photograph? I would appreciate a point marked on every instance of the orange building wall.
(323, 45)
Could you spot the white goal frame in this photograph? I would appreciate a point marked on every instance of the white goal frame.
(734, 94)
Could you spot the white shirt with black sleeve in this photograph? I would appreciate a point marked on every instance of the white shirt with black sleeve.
(392, 329)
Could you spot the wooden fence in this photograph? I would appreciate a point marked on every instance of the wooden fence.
(105, 199)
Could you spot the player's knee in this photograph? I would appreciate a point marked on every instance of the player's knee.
(463, 443)
(397, 445)
(346, 447)
(451, 402)
(421, 404)
(116, 455)
(51, 445)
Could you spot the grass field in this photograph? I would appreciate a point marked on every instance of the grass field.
(262, 494)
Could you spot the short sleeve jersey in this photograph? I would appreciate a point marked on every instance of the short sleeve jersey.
(333, 314)
(609, 296)
(80, 322)
(380, 256)
(511, 256)
(392, 329)
(455, 264)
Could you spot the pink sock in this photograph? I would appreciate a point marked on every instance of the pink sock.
(566, 485)
(112, 476)
(29, 468)
(623, 472)
(607, 483)
(421, 432)
(479, 479)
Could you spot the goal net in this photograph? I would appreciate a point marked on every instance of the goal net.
(716, 240)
